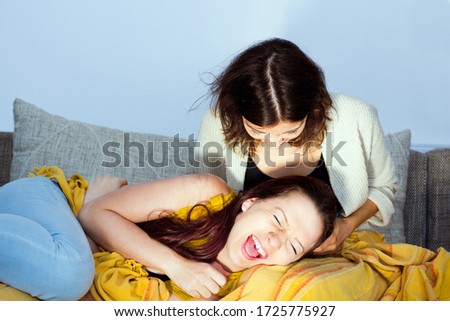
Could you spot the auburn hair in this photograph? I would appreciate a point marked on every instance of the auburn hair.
(271, 81)
(214, 228)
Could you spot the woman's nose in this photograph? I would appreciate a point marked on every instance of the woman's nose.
(276, 239)
(275, 140)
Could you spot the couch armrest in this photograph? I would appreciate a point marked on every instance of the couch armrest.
(6, 152)
(426, 215)
(438, 205)
(415, 209)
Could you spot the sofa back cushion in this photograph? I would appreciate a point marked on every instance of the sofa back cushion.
(78, 148)
(398, 145)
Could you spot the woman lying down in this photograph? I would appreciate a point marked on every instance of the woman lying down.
(192, 229)
(276, 223)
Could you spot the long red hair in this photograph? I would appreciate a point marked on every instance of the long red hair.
(215, 227)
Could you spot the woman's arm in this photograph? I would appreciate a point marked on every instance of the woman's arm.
(381, 183)
(381, 175)
(110, 221)
(103, 185)
(345, 226)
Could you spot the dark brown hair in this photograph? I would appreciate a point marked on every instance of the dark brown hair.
(215, 227)
(270, 82)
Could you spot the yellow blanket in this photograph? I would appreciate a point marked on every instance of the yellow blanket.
(367, 269)
(74, 188)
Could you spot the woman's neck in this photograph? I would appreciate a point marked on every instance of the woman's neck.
(225, 263)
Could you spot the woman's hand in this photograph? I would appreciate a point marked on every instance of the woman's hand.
(345, 226)
(198, 279)
(103, 185)
(342, 230)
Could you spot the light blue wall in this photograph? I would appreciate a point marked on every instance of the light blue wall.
(138, 65)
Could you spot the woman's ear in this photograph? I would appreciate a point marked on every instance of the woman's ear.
(248, 203)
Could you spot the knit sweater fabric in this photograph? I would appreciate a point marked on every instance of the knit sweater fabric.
(358, 162)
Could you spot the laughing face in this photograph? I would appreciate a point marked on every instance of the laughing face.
(274, 231)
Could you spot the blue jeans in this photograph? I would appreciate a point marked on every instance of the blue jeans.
(43, 249)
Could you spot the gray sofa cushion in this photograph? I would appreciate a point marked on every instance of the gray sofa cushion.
(398, 145)
(44, 139)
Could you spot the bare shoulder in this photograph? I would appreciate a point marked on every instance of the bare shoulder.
(136, 201)
(186, 190)
(208, 185)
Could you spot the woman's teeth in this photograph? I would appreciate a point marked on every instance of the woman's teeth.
(254, 248)
(258, 246)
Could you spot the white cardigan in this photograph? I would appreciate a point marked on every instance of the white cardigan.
(358, 163)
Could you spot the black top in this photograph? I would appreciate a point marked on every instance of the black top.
(254, 176)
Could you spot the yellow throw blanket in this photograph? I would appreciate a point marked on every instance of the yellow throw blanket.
(73, 188)
(366, 269)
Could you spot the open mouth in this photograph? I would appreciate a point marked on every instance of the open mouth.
(252, 249)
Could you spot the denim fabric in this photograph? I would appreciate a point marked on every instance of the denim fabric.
(43, 249)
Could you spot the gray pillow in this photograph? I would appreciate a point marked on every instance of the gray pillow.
(79, 148)
(398, 145)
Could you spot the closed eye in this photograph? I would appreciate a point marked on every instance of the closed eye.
(277, 219)
(292, 131)
(257, 132)
(293, 248)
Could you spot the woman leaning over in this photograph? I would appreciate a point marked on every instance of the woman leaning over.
(273, 116)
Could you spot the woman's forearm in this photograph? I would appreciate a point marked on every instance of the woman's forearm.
(112, 232)
(365, 212)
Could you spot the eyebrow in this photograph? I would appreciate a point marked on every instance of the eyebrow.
(294, 129)
(287, 223)
(263, 132)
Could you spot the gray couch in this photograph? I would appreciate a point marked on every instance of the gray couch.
(423, 213)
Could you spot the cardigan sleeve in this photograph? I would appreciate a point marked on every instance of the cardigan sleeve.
(382, 182)
(364, 169)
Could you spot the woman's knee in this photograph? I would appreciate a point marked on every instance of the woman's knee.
(71, 283)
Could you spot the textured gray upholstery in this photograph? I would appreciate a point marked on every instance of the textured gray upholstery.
(415, 209)
(6, 141)
(438, 199)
